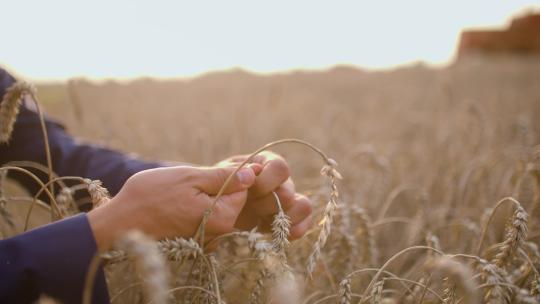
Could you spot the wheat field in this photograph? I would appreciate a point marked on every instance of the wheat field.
(438, 202)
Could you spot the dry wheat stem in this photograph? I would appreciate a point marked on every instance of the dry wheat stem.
(386, 272)
(44, 187)
(393, 258)
(392, 197)
(34, 165)
(45, 139)
(90, 278)
(392, 220)
(211, 264)
(40, 183)
(365, 233)
(425, 286)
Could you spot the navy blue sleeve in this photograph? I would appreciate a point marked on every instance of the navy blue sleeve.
(51, 260)
(70, 157)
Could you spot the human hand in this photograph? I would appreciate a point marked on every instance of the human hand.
(169, 202)
(260, 207)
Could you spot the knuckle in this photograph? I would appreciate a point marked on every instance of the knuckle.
(222, 174)
(188, 175)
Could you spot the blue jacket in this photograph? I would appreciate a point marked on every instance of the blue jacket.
(54, 259)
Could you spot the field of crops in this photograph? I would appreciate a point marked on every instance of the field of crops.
(439, 199)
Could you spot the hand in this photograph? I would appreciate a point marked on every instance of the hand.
(169, 202)
(261, 206)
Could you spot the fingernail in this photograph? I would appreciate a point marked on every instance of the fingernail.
(245, 176)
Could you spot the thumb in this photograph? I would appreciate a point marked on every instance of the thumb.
(212, 179)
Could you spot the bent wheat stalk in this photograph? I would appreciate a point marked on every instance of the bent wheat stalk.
(329, 170)
(493, 211)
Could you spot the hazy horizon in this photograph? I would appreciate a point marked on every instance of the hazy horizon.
(62, 39)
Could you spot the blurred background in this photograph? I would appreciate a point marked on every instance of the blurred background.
(61, 39)
(199, 81)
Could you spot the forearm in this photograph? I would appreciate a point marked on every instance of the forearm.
(70, 157)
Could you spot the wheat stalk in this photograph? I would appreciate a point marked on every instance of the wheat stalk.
(364, 234)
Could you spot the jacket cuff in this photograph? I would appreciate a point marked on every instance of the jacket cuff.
(58, 255)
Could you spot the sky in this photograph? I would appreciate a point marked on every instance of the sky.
(60, 39)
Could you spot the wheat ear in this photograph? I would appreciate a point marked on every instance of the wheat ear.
(149, 262)
(9, 109)
(456, 276)
(516, 234)
(494, 276)
(280, 232)
(377, 292)
(98, 193)
(178, 248)
(345, 291)
(328, 215)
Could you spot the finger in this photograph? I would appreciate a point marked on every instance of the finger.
(300, 210)
(266, 205)
(211, 179)
(227, 210)
(298, 230)
(274, 173)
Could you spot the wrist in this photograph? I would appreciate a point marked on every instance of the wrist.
(106, 224)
